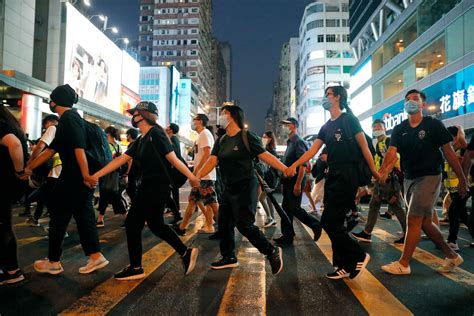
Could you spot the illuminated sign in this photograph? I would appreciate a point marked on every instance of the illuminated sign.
(174, 104)
(155, 87)
(130, 72)
(448, 98)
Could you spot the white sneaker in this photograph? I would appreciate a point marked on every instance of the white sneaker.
(269, 223)
(396, 268)
(93, 265)
(454, 246)
(450, 264)
(46, 266)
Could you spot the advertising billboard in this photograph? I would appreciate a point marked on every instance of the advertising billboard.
(174, 90)
(93, 63)
(447, 98)
(185, 100)
(130, 72)
(128, 100)
(155, 87)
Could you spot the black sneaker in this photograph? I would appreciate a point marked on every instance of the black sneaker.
(362, 236)
(179, 231)
(352, 222)
(283, 240)
(276, 260)
(225, 263)
(130, 273)
(189, 260)
(360, 266)
(400, 241)
(7, 278)
(215, 236)
(338, 273)
(386, 215)
(317, 232)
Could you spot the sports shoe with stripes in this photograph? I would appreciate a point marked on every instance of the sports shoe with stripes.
(450, 264)
(338, 273)
(360, 266)
(396, 268)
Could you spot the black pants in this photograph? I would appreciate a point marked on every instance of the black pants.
(70, 200)
(132, 187)
(457, 208)
(292, 206)
(173, 203)
(339, 193)
(8, 247)
(237, 209)
(111, 197)
(46, 197)
(148, 206)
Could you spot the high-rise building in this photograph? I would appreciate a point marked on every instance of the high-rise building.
(402, 45)
(325, 59)
(178, 33)
(226, 51)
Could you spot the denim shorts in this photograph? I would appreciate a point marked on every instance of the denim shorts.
(421, 194)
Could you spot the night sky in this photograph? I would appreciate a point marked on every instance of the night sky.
(256, 29)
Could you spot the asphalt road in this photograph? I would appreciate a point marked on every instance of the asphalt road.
(250, 289)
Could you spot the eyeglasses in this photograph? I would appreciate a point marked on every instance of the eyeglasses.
(329, 94)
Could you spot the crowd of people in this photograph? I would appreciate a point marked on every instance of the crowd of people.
(231, 174)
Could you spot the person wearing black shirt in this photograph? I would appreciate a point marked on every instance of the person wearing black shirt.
(72, 195)
(13, 152)
(238, 202)
(418, 140)
(341, 186)
(131, 176)
(153, 190)
(293, 186)
(271, 178)
(466, 165)
(173, 199)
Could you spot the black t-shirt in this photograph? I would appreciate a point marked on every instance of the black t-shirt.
(6, 163)
(133, 173)
(296, 147)
(176, 146)
(419, 147)
(336, 134)
(235, 162)
(149, 168)
(70, 135)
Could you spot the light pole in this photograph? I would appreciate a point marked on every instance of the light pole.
(125, 41)
(113, 29)
(103, 18)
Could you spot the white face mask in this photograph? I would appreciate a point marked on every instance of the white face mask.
(378, 133)
(223, 121)
(265, 141)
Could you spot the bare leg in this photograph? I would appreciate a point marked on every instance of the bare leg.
(187, 215)
(434, 234)
(435, 218)
(310, 198)
(411, 239)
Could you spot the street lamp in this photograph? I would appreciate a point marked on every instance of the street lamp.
(86, 2)
(113, 28)
(103, 18)
(125, 41)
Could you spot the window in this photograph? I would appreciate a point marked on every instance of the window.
(332, 23)
(332, 8)
(144, 18)
(333, 38)
(169, 53)
(334, 69)
(345, 38)
(333, 53)
(347, 54)
(320, 38)
(344, 7)
(193, 21)
(346, 69)
(345, 23)
(194, 42)
(319, 7)
(314, 24)
(194, 10)
(194, 31)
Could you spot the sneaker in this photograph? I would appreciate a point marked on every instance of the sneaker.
(130, 273)
(317, 231)
(454, 246)
(215, 236)
(93, 265)
(207, 230)
(7, 278)
(338, 273)
(360, 266)
(46, 266)
(179, 231)
(396, 268)
(225, 263)
(400, 241)
(450, 264)
(189, 260)
(99, 224)
(283, 240)
(386, 215)
(33, 222)
(362, 236)
(269, 222)
(276, 260)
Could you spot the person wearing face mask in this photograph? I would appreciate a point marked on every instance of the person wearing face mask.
(293, 186)
(271, 178)
(238, 202)
(341, 186)
(153, 190)
(418, 140)
(389, 192)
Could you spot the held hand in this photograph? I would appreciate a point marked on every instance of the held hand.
(382, 178)
(91, 181)
(297, 190)
(195, 182)
(290, 171)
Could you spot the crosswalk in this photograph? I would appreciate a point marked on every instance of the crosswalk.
(250, 289)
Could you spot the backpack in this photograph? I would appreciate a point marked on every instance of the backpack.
(363, 171)
(97, 147)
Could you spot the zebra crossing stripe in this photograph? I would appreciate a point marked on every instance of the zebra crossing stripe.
(104, 297)
(370, 292)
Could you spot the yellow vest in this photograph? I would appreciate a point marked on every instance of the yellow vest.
(381, 147)
(56, 160)
(451, 181)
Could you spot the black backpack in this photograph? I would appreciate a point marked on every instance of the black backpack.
(97, 147)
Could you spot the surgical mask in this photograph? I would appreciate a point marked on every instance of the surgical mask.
(412, 107)
(135, 124)
(378, 133)
(52, 108)
(265, 141)
(223, 121)
(326, 104)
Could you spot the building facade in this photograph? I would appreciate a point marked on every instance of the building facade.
(178, 33)
(403, 45)
(218, 86)
(325, 59)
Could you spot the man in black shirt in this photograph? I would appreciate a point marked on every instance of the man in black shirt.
(418, 141)
(173, 201)
(132, 174)
(466, 164)
(292, 187)
(72, 195)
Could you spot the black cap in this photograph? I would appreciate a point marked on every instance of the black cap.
(50, 118)
(145, 106)
(202, 117)
(64, 96)
(290, 120)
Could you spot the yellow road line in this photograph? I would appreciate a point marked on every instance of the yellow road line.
(26, 241)
(458, 275)
(371, 293)
(108, 294)
(245, 290)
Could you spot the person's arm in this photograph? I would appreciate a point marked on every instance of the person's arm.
(388, 163)
(178, 164)
(271, 160)
(461, 136)
(364, 147)
(210, 164)
(41, 159)
(81, 159)
(291, 170)
(112, 166)
(453, 161)
(16, 152)
(299, 180)
(38, 149)
(467, 161)
(205, 156)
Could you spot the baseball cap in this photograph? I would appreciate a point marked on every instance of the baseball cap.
(64, 96)
(144, 106)
(290, 120)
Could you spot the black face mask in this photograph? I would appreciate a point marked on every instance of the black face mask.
(135, 124)
(52, 108)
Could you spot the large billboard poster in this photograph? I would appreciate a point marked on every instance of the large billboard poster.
(130, 72)
(174, 104)
(93, 63)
